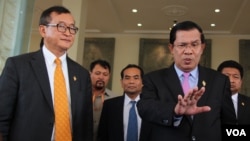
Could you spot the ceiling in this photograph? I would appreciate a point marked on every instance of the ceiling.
(156, 16)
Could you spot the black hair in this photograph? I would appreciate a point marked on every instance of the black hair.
(41, 43)
(45, 16)
(132, 66)
(101, 62)
(185, 25)
(231, 64)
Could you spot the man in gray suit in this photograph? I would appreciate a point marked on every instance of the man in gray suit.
(27, 89)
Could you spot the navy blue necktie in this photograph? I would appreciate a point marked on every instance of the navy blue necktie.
(132, 133)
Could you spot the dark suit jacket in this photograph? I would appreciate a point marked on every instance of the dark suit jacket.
(111, 121)
(243, 110)
(26, 108)
(159, 97)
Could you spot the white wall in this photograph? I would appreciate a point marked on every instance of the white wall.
(127, 51)
(225, 47)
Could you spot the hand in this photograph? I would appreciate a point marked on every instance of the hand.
(187, 105)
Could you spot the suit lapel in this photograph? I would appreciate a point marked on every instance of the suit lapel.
(40, 69)
(74, 80)
(203, 80)
(120, 113)
(241, 106)
(174, 84)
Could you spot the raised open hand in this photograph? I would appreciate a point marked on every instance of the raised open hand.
(187, 105)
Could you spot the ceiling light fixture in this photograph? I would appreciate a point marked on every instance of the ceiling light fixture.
(217, 10)
(174, 10)
(139, 24)
(134, 10)
(212, 25)
(174, 23)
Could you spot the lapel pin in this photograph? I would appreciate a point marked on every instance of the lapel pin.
(203, 83)
(242, 103)
(74, 78)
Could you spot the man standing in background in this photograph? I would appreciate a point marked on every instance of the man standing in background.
(114, 122)
(241, 102)
(100, 72)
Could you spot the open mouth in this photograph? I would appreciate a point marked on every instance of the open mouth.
(187, 61)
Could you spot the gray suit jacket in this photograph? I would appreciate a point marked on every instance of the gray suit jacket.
(26, 108)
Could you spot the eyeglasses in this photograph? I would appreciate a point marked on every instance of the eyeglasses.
(192, 45)
(61, 27)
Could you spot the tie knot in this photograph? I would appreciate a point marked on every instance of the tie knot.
(133, 103)
(186, 74)
(58, 61)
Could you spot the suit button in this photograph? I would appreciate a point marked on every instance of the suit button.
(193, 138)
(165, 121)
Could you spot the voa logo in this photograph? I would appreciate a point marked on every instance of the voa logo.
(236, 132)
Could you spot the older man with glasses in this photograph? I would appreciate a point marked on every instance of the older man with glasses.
(45, 95)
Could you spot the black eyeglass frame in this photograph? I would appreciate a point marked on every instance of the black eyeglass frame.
(63, 28)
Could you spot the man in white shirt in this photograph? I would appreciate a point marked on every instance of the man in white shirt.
(241, 102)
(115, 113)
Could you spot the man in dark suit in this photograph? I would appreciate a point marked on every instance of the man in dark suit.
(113, 124)
(27, 89)
(197, 114)
(241, 102)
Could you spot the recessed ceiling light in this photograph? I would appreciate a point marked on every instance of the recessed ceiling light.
(134, 10)
(212, 25)
(139, 24)
(217, 10)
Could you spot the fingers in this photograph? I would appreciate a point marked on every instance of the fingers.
(195, 94)
(187, 104)
(203, 109)
(180, 106)
(182, 101)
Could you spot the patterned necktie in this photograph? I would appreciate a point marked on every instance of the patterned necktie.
(61, 106)
(132, 132)
(185, 83)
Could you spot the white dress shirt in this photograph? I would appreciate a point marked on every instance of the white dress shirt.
(235, 102)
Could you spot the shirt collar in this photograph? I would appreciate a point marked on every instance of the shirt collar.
(50, 57)
(194, 72)
(127, 99)
(235, 96)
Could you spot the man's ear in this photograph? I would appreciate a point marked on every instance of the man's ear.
(42, 30)
(170, 47)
